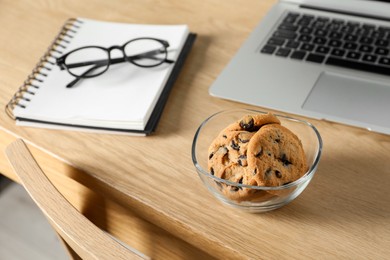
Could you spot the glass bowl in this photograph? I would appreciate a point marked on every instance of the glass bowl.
(267, 198)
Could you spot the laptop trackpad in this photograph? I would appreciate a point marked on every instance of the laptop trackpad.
(345, 97)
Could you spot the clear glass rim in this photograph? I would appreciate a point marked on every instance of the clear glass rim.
(306, 176)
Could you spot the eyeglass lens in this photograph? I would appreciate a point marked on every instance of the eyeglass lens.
(87, 62)
(145, 52)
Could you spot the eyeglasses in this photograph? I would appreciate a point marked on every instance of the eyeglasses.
(92, 61)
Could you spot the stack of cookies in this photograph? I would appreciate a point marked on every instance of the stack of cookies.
(258, 151)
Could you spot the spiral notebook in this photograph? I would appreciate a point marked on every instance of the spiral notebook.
(125, 99)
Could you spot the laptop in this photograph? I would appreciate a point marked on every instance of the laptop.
(321, 59)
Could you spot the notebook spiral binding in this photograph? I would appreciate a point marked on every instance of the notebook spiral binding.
(44, 65)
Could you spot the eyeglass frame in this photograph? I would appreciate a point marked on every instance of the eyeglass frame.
(60, 61)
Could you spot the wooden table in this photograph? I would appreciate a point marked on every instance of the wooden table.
(145, 190)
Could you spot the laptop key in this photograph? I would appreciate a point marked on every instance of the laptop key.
(322, 49)
(308, 17)
(292, 44)
(276, 41)
(384, 61)
(318, 58)
(306, 30)
(377, 34)
(285, 34)
(283, 52)
(319, 24)
(365, 32)
(352, 64)
(353, 55)
(307, 47)
(347, 29)
(366, 40)
(268, 49)
(350, 45)
(335, 43)
(323, 19)
(338, 21)
(350, 37)
(298, 55)
(338, 52)
(333, 27)
(369, 58)
(304, 21)
(353, 24)
(291, 18)
(384, 29)
(319, 40)
(336, 35)
(366, 48)
(381, 51)
(382, 43)
(320, 32)
(305, 38)
(288, 27)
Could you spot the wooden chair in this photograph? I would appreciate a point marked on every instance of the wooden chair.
(81, 237)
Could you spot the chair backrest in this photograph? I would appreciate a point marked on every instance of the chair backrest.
(79, 234)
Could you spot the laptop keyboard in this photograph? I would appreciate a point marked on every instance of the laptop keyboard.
(337, 42)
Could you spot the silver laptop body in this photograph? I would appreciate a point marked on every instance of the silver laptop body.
(317, 90)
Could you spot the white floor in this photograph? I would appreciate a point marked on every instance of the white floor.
(24, 231)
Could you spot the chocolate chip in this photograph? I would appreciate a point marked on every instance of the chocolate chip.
(224, 136)
(268, 172)
(225, 159)
(211, 155)
(278, 174)
(240, 182)
(234, 188)
(235, 146)
(222, 150)
(255, 171)
(211, 171)
(259, 153)
(242, 160)
(247, 123)
(285, 161)
(243, 140)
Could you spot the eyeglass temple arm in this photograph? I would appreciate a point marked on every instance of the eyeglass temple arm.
(149, 54)
(77, 79)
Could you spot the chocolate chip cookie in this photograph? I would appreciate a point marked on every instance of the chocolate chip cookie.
(228, 152)
(275, 156)
(255, 150)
